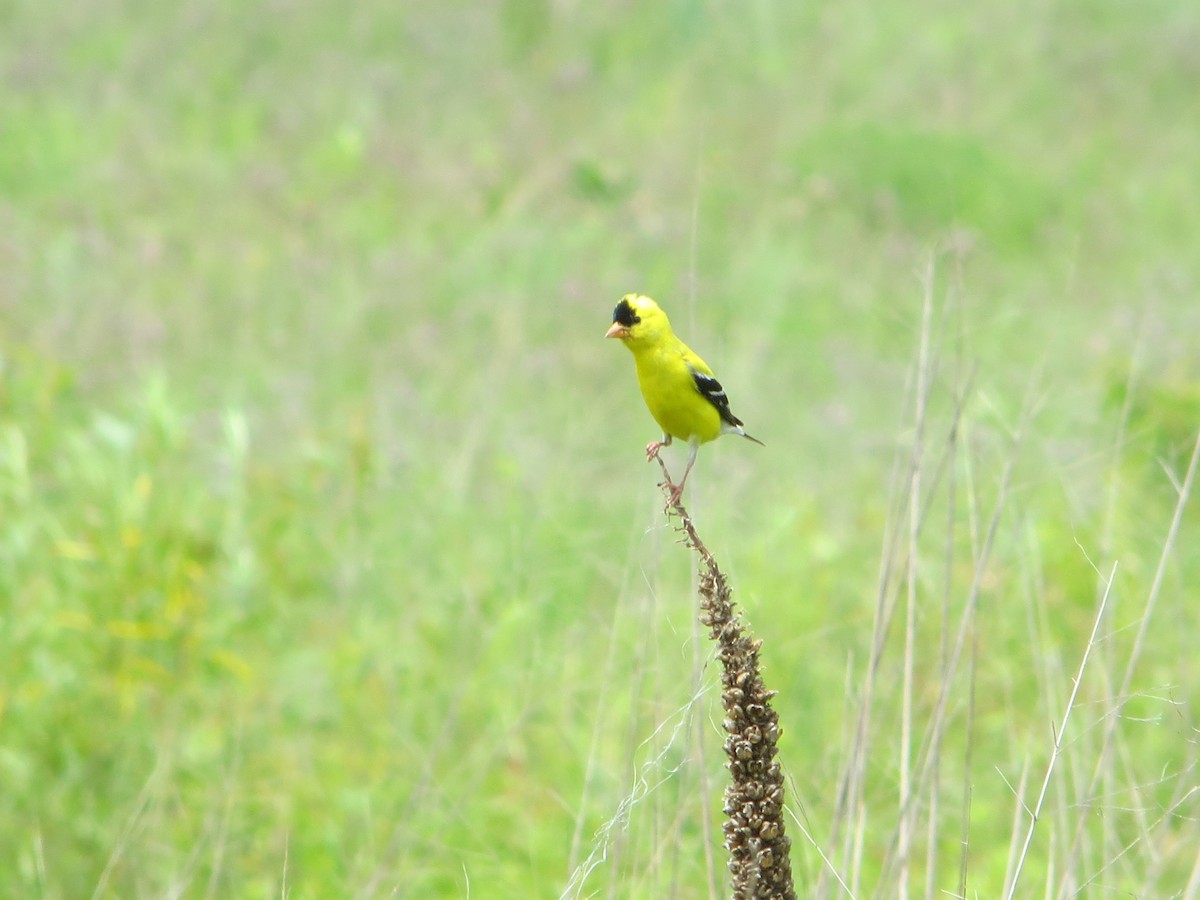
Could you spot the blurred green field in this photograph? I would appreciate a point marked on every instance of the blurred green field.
(329, 563)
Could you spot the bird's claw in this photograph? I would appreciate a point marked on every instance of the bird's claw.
(652, 449)
(676, 492)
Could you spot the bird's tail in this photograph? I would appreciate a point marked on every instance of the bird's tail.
(735, 427)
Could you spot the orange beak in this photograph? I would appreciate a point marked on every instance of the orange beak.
(617, 330)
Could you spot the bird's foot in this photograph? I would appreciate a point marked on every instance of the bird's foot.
(652, 449)
(676, 494)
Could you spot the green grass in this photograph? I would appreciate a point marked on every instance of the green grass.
(329, 565)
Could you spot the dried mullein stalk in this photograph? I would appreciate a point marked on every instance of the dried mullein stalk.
(754, 829)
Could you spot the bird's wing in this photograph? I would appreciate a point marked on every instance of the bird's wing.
(710, 389)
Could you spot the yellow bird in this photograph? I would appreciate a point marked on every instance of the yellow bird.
(680, 390)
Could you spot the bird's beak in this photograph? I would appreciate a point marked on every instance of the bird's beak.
(617, 331)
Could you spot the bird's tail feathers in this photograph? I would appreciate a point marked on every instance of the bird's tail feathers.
(728, 428)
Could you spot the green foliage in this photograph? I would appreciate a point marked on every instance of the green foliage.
(328, 562)
(929, 183)
(1161, 411)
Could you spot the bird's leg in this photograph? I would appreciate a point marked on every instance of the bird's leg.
(677, 489)
(653, 447)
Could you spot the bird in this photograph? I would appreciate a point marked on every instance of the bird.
(679, 388)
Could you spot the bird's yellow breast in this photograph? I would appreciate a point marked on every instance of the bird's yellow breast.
(672, 396)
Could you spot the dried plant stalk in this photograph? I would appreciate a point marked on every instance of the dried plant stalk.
(754, 828)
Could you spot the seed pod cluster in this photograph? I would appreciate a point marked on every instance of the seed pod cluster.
(754, 828)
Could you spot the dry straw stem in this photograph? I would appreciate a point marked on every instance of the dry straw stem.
(754, 827)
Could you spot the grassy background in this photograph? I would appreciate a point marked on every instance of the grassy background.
(329, 565)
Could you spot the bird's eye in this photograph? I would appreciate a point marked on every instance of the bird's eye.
(625, 315)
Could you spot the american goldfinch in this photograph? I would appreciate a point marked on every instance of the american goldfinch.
(680, 390)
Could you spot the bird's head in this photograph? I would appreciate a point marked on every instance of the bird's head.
(637, 319)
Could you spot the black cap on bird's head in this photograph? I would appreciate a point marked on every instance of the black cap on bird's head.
(624, 314)
(633, 310)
